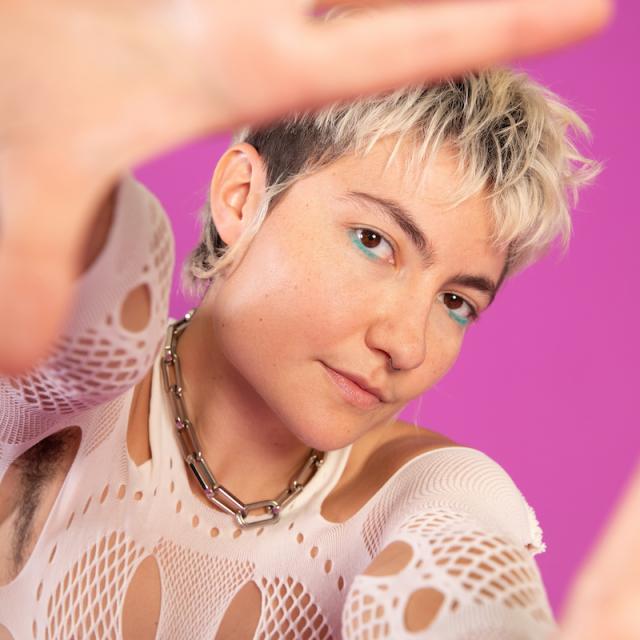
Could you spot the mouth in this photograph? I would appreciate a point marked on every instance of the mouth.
(351, 391)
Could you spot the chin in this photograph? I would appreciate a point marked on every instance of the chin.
(328, 430)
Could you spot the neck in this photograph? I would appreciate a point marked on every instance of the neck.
(247, 447)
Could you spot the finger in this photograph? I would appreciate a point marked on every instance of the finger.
(392, 46)
(44, 225)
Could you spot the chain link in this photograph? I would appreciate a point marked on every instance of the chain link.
(192, 451)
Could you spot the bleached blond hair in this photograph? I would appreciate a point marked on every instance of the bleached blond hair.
(514, 140)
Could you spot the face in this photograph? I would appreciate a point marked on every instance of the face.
(331, 282)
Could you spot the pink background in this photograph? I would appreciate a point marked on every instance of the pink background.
(546, 382)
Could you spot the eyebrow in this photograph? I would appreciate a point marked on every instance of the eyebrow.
(395, 212)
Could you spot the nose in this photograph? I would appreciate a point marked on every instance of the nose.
(400, 331)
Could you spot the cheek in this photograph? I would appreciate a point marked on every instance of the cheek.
(284, 298)
(443, 345)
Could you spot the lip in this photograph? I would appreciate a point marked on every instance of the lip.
(352, 391)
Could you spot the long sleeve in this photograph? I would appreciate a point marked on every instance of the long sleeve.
(460, 546)
(97, 358)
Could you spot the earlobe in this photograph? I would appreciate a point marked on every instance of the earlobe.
(237, 190)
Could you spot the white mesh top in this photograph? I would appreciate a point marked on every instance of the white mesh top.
(472, 534)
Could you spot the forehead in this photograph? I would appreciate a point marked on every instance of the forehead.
(459, 234)
(395, 166)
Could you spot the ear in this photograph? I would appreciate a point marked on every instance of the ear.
(237, 189)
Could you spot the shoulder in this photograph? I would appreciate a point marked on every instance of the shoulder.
(469, 484)
(374, 460)
(414, 471)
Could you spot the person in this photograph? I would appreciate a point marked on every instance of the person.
(405, 511)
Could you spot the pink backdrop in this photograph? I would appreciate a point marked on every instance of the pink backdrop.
(546, 382)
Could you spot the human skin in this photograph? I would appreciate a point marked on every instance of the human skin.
(604, 600)
(304, 293)
(90, 89)
(60, 155)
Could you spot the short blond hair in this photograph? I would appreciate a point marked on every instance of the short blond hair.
(513, 138)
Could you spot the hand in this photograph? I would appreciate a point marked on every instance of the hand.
(604, 602)
(92, 87)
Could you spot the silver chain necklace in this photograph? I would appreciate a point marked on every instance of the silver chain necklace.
(192, 451)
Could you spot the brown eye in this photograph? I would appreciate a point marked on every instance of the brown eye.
(459, 309)
(370, 242)
(370, 238)
(453, 301)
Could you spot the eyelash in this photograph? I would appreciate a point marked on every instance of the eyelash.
(356, 239)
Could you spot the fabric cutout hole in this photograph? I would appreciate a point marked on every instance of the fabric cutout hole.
(260, 531)
(122, 490)
(421, 609)
(70, 520)
(328, 565)
(391, 560)
(195, 521)
(179, 506)
(141, 609)
(138, 445)
(299, 538)
(104, 494)
(241, 618)
(136, 309)
(214, 532)
(340, 583)
(86, 506)
(28, 491)
(138, 495)
(237, 533)
(313, 552)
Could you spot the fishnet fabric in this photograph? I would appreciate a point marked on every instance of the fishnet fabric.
(450, 480)
(377, 520)
(97, 358)
(290, 612)
(453, 554)
(87, 602)
(103, 424)
(196, 589)
(458, 510)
